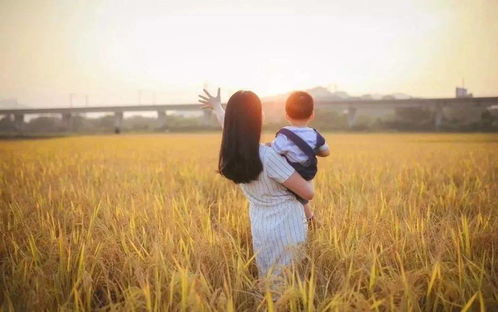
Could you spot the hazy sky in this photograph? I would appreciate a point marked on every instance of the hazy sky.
(171, 49)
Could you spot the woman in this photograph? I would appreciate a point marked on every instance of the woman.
(278, 223)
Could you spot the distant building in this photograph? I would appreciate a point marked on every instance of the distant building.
(461, 92)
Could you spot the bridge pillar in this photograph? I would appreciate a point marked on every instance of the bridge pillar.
(8, 118)
(351, 116)
(438, 117)
(161, 120)
(206, 117)
(118, 122)
(67, 121)
(19, 122)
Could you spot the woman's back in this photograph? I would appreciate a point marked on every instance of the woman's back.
(277, 218)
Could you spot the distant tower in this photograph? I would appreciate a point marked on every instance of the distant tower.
(462, 92)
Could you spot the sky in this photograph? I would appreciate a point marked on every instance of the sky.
(125, 52)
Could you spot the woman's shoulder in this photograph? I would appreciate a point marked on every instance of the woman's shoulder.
(269, 156)
(266, 152)
(275, 164)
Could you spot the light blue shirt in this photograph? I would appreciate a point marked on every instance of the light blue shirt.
(283, 146)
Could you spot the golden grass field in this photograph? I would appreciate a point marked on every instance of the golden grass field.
(143, 223)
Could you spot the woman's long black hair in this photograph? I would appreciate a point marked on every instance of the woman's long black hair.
(239, 153)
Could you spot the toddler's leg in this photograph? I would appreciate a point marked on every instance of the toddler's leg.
(307, 210)
(313, 223)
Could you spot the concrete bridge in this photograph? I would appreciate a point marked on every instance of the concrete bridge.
(351, 106)
(436, 104)
(18, 115)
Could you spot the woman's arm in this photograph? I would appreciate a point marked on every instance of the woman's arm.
(213, 103)
(279, 170)
(300, 186)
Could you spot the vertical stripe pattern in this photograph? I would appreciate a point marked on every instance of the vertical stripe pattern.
(277, 219)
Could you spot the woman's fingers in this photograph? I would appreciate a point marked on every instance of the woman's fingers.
(209, 100)
(207, 92)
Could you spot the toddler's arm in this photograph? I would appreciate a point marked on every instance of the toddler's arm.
(322, 148)
(280, 144)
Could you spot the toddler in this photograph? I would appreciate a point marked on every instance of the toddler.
(300, 144)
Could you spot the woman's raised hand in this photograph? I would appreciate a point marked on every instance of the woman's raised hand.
(214, 103)
(208, 101)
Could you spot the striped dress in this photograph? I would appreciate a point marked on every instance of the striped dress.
(278, 223)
